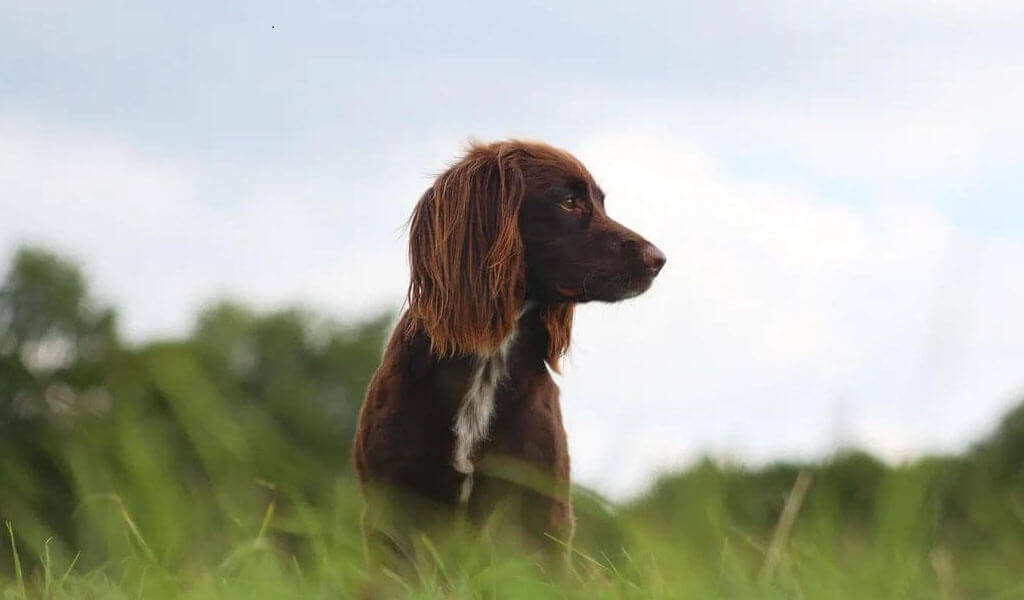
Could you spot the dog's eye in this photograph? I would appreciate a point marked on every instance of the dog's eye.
(571, 203)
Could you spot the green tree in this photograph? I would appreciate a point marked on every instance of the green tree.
(54, 343)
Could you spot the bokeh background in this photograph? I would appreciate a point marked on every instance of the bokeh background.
(202, 214)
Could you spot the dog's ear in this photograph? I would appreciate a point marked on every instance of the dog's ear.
(466, 255)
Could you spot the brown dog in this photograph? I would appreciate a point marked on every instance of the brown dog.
(462, 414)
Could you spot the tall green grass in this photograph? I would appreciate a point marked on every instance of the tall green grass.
(242, 537)
(293, 549)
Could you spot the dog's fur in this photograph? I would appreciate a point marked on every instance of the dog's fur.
(462, 413)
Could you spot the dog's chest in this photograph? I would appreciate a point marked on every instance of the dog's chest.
(476, 409)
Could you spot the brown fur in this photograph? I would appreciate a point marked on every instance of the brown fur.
(502, 247)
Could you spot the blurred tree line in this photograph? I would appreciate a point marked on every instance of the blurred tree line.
(177, 430)
(188, 440)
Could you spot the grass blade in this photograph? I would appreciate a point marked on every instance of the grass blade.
(47, 578)
(267, 518)
(17, 562)
(70, 568)
(790, 510)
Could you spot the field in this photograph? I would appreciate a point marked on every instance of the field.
(216, 466)
(690, 548)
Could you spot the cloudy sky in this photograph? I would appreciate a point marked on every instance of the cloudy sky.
(839, 188)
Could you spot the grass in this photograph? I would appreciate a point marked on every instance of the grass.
(291, 549)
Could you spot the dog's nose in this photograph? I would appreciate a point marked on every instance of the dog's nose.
(652, 258)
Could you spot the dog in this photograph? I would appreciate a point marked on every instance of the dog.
(462, 414)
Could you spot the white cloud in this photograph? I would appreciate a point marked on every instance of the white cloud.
(78, 186)
(159, 237)
(896, 119)
(948, 119)
(951, 8)
(777, 314)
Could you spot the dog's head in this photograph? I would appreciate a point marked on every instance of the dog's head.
(510, 222)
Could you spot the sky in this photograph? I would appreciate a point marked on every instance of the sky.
(837, 185)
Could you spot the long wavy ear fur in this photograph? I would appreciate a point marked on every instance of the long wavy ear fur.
(466, 257)
(558, 320)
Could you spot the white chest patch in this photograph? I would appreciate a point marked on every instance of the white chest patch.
(473, 419)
